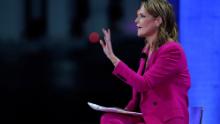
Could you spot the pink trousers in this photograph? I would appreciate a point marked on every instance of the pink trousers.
(113, 118)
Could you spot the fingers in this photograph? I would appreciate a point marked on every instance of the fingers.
(102, 43)
(109, 32)
(106, 32)
(107, 37)
(106, 43)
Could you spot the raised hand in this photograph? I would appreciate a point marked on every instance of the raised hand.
(107, 46)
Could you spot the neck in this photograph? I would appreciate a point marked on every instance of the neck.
(150, 40)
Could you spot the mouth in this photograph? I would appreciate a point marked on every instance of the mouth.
(139, 27)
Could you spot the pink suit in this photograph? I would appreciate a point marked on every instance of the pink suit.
(161, 92)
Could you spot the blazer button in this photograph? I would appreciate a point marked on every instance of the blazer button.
(154, 103)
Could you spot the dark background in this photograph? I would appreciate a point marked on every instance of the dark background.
(49, 70)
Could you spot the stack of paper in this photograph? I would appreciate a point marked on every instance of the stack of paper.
(111, 109)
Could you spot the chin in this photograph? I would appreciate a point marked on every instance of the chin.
(141, 35)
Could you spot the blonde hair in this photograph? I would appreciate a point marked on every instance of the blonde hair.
(168, 27)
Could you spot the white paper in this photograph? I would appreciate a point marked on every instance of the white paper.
(111, 109)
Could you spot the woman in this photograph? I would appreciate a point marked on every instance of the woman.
(160, 86)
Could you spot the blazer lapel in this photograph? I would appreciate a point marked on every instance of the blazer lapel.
(143, 59)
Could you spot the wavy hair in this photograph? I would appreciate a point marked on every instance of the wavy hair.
(168, 27)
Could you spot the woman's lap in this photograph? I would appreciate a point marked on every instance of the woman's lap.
(177, 120)
(114, 118)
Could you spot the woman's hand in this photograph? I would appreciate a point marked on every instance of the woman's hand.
(107, 46)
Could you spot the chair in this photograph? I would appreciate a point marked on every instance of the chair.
(195, 115)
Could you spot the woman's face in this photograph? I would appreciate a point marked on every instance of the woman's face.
(146, 23)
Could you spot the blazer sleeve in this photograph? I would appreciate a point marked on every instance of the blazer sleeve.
(165, 66)
(134, 101)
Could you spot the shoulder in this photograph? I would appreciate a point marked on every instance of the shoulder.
(171, 50)
(171, 47)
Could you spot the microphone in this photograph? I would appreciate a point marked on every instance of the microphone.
(94, 37)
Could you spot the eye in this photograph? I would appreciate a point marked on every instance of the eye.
(142, 15)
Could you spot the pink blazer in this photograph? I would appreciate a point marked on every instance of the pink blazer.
(161, 91)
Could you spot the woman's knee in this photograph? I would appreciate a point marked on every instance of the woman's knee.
(113, 118)
(105, 118)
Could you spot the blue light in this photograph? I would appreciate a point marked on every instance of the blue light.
(199, 35)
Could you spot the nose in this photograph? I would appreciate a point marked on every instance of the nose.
(136, 20)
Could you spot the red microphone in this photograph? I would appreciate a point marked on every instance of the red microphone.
(94, 37)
